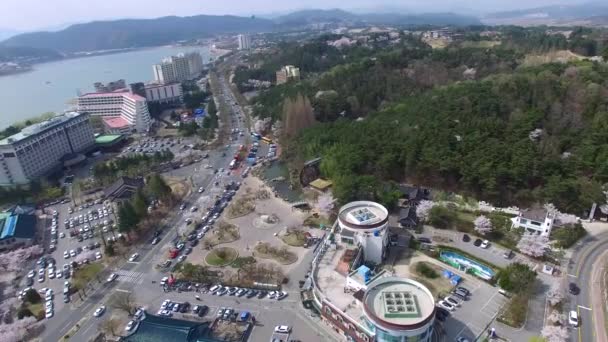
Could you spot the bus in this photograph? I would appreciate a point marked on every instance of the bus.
(267, 140)
(232, 165)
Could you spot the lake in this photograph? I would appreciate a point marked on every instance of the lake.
(50, 86)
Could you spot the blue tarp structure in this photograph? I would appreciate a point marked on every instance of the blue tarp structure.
(199, 112)
(447, 274)
(455, 280)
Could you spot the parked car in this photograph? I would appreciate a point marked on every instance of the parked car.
(466, 238)
(508, 254)
(573, 289)
(112, 277)
(477, 242)
(446, 305)
(424, 239)
(485, 244)
(130, 326)
(573, 318)
(283, 329)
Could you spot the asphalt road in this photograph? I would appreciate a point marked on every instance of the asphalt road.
(579, 272)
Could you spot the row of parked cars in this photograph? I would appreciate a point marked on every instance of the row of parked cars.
(452, 302)
(219, 290)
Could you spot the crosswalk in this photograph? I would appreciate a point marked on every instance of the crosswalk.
(130, 277)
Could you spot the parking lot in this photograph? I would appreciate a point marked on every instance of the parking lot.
(80, 243)
(180, 146)
(473, 315)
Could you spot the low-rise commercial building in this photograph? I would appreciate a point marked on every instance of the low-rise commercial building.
(16, 230)
(122, 111)
(537, 221)
(39, 149)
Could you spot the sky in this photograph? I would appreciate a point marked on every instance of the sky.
(31, 15)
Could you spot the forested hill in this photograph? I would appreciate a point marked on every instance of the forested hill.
(128, 33)
(537, 135)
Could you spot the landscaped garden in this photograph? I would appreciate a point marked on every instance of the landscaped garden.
(281, 255)
(294, 237)
(224, 233)
(221, 256)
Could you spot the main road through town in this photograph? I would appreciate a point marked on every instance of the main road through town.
(580, 271)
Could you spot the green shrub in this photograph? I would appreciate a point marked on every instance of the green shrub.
(565, 237)
(426, 270)
(442, 217)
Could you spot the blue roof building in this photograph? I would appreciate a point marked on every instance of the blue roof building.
(16, 230)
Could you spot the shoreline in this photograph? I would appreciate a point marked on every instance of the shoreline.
(212, 51)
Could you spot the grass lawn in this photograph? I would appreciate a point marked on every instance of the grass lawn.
(437, 286)
(88, 272)
(221, 256)
(316, 221)
(36, 309)
(295, 238)
(514, 314)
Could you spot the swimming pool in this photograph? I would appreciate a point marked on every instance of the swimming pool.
(465, 264)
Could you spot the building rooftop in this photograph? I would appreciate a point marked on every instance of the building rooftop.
(108, 138)
(159, 329)
(39, 127)
(534, 214)
(398, 302)
(18, 226)
(115, 122)
(363, 215)
(120, 92)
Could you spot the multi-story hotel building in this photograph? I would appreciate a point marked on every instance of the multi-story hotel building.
(122, 112)
(164, 93)
(288, 73)
(43, 147)
(181, 67)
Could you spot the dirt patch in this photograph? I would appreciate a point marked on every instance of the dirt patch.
(282, 255)
(437, 285)
(294, 237)
(225, 233)
(179, 187)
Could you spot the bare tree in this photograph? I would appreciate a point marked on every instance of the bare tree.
(123, 301)
(110, 326)
(298, 114)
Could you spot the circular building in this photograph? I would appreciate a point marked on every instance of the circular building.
(399, 309)
(367, 223)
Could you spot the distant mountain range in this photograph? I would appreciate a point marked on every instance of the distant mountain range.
(589, 14)
(307, 17)
(130, 33)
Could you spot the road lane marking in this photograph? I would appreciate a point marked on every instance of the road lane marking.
(584, 307)
(122, 290)
(572, 275)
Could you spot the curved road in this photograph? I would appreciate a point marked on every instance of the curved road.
(586, 254)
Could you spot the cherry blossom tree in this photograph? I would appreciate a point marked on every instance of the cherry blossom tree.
(556, 317)
(89, 255)
(19, 330)
(555, 294)
(423, 209)
(325, 204)
(533, 245)
(555, 333)
(483, 224)
(15, 260)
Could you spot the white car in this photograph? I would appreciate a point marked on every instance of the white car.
(165, 305)
(49, 313)
(200, 190)
(100, 310)
(134, 257)
(139, 313)
(130, 326)
(284, 329)
(573, 318)
(165, 313)
(98, 255)
(72, 253)
(112, 277)
(446, 305)
(485, 244)
(31, 274)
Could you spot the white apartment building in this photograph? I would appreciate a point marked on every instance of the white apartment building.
(244, 42)
(40, 148)
(178, 68)
(123, 112)
(164, 93)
